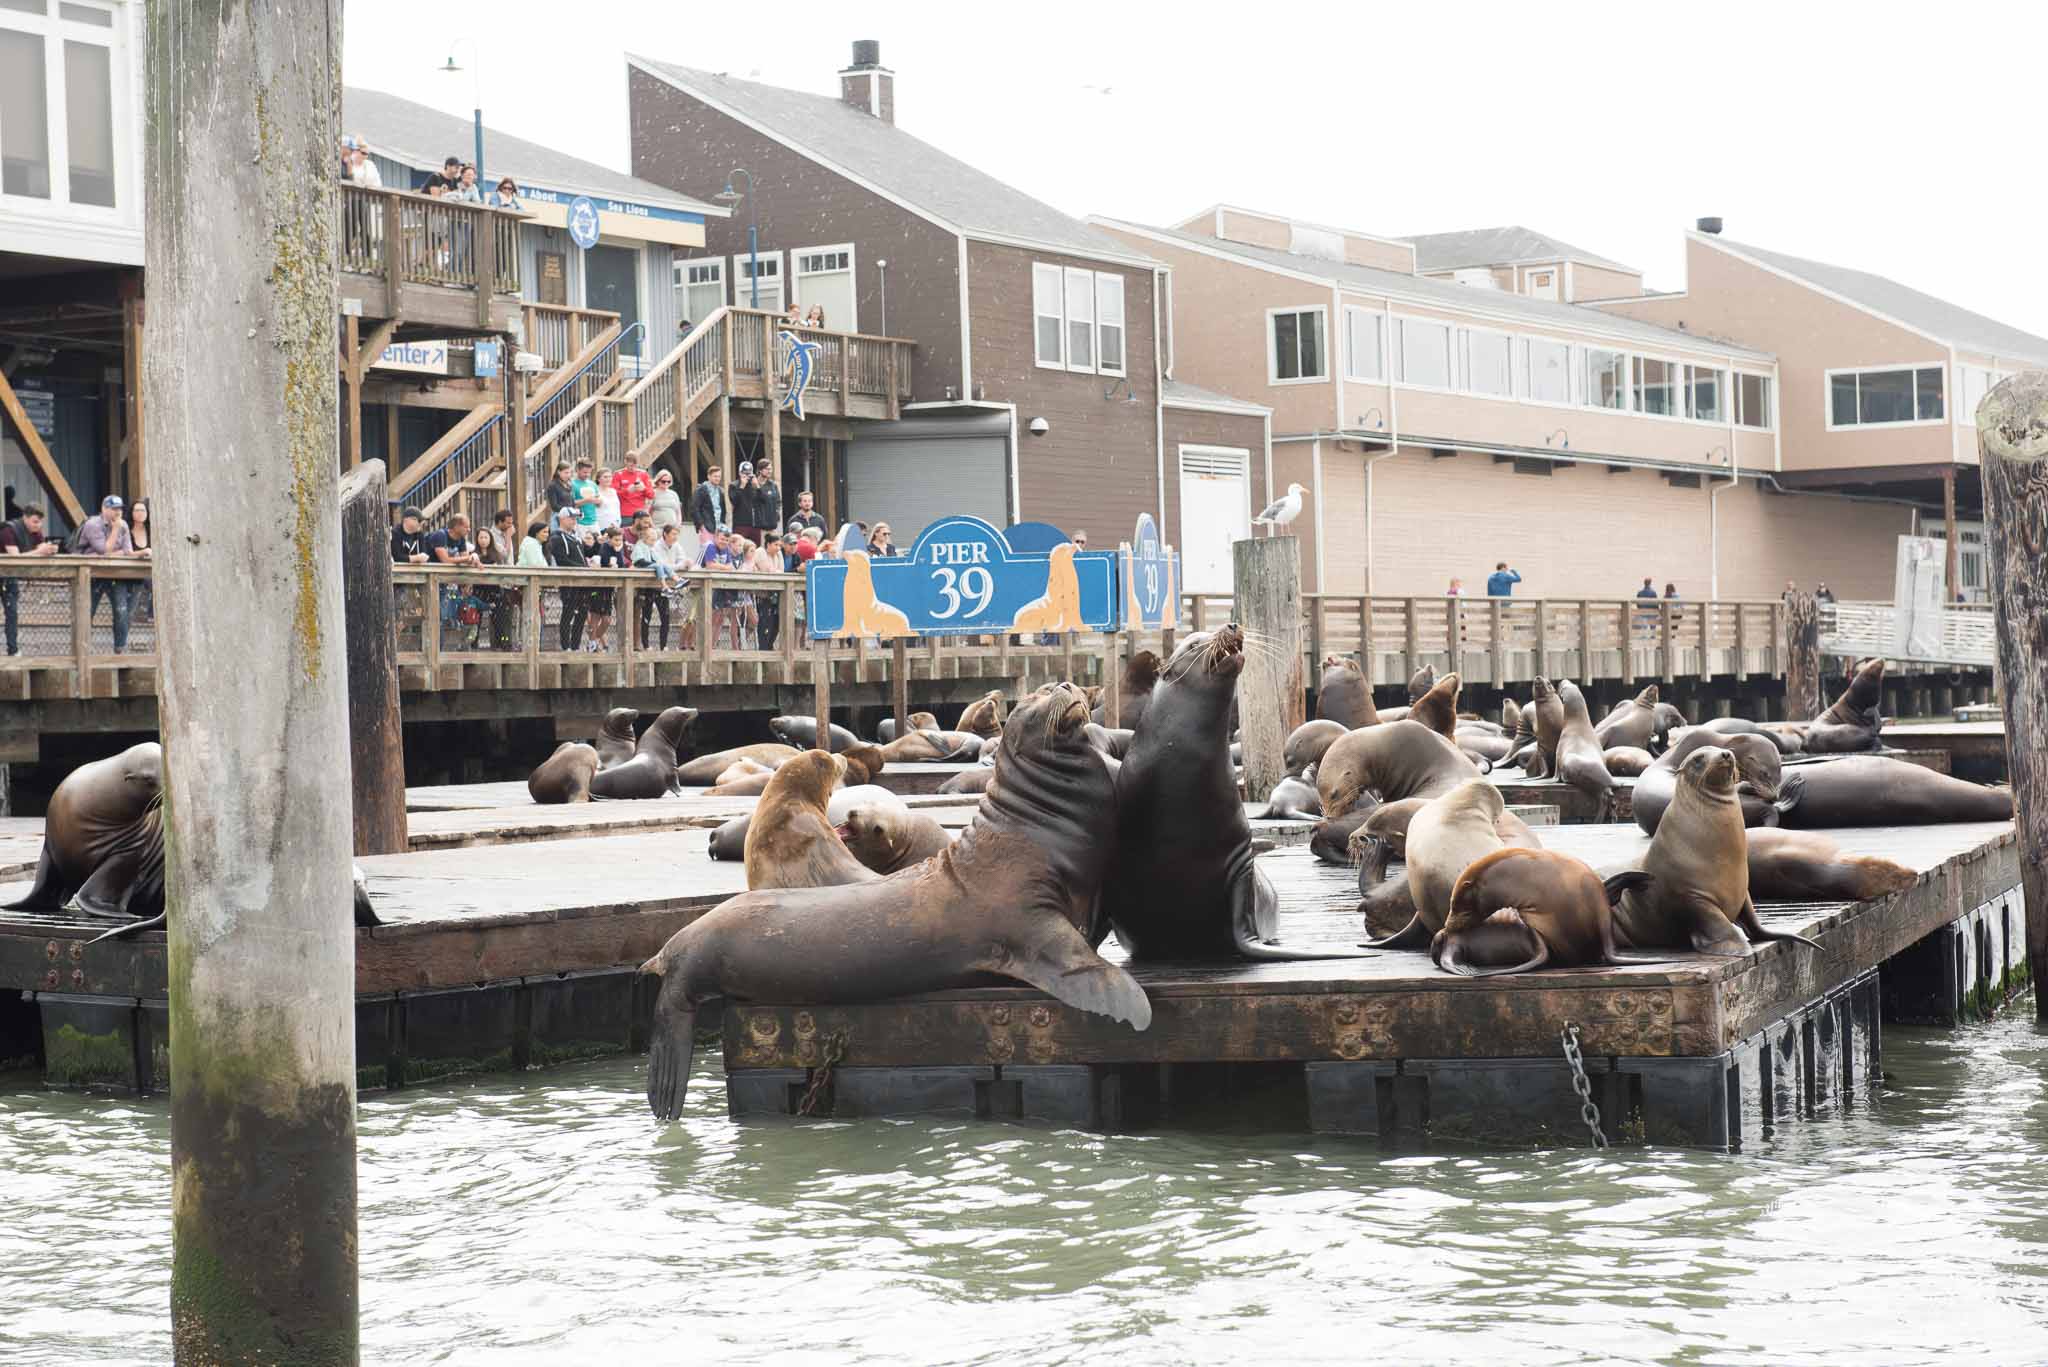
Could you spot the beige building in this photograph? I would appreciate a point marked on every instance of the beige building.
(1440, 426)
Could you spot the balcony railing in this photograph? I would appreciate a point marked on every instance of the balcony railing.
(414, 240)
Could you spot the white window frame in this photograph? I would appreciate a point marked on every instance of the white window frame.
(1721, 387)
(1677, 383)
(1525, 376)
(1058, 277)
(737, 275)
(1585, 379)
(1770, 422)
(1122, 325)
(680, 268)
(1074, 278)
(1462, 355)
(1047, 271)
(1827, 396)
(793, 288)
(1398, 354)
(1322, 312)
(1966, 413)
(123, 47)
(1378, 319)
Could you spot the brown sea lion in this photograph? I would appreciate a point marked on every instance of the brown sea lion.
(1630, 722)
(975, 780)
(616, 742)
(1786, 743)
(1182, 883)
(983, 717)
(1758, 767)
(729, 841)
(1855, 720)
(1626, 761)
(1294, 799)
(1307, 742)
(1141, 673)
(1092, 694)
(889, 837)
(1394, 760)
(1877, 790)
(885, 730)
(1343, 695)
(1420, 682)
(103, 839)
(1330, 841)
(802, 732)
(1517, 910)
(1111, 741)
(932, 747)
(791, 842)
(741, 768)
(1438, 708)
(1665, 719)
(864, 763)
(746, 785)
(1578, 751)
(565, 775)
(704, 769)
(1692, 889)
(1435, 838)
(1805, 866)
(652, 771)
(1002, 901)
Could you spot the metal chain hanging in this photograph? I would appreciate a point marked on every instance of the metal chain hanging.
(821, 1076)
(1588, 1112)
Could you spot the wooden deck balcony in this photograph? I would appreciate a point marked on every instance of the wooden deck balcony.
(438, 266)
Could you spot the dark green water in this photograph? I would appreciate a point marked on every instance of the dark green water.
(545, 1219)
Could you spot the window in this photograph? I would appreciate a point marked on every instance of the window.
(59, 110)
(1973, 382)
(1703, 388)
(1487, 369)
(24, 112)
(1656, 386)
(1606, 379)
(700, 287)
(1297, 348)
(1109, 321)
(1425, 353)
(1550, 374)
(1868, 398)
(1049, 315)
(1753, 400)
(768, 288)
(1365, 351)
(824, 279)
(1080, 319)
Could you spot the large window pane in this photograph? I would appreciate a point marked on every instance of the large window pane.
(1703, 394)
(24, 116)
(1080, 319)
(1287, 346)
(1656, 386)
(1486, 364)
(1928, 386)
(1753, 400)
(1842, 400)
(1312, 346)
(89, 123)
(1046, 309)
(1884, 396)
(1426, 353)
(1606, 378)
(1550, 377)
(1365, 357)
(1109, 320)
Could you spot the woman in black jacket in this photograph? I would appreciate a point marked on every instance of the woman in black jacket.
(565, 551)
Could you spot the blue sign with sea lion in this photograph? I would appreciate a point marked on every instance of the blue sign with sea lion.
(962, 578)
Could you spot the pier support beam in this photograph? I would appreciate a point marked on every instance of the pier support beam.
(1270, 698)
(376, 739)
(253, 696)
(2012, 436)
(1802, 657)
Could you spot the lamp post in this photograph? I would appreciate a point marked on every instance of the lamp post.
(731, 196)
(476, 98)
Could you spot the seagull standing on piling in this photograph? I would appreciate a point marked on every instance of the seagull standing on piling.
(1281, 511)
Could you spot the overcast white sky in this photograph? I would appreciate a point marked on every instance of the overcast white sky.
(1889, 138)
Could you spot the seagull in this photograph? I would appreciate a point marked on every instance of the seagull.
(1281, 511)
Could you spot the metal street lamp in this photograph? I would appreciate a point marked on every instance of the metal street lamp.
(731, 196)
(476, 98)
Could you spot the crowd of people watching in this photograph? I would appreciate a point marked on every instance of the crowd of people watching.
(115, 532)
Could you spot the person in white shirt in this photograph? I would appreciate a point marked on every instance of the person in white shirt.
(668, 557)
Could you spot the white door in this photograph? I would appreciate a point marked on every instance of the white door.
(1541, 282)
(824, 278)
(700, 286)
(1215, 510)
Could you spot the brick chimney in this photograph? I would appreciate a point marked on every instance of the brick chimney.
(866, 84)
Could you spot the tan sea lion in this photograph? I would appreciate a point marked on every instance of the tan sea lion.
(741, 768)
(1438, 708)
(1420, 682)
(864, 763)
(1626, 761)
(565, 775)
(1059, 609)
(1294, 798)
(1758, 775)
(1344, 696)
(616, 741)
(746, 785)
(1578, 751)
(863, 614)
(702, 771)
(1394, 760)
(1517, 910)
(1307, 742)
(791, 841)
(889, 837)
(932, 747)
(1632, 721)
(1436, 840)
(1001, 901)
(982, 717)
(1805, 866)
(885, 730)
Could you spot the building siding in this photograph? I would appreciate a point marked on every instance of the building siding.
(1196, 427)
(1595, 282)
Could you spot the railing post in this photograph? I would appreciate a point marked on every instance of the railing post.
(899, 682)
(1585, 670)
(1802, 663)
(1316, 625)
(394, 261)
(1777, 669)
(629, 634)
(1454, 634)
(1664, 641)
(1708, 613)
(485, 261)
(846, 346)
(894, 409)
(1741, 670)
(1368, 657)
(821, 692)
(1497, 642)
(789, 632)
(81, 629)
(1411, 654)
(1542, 662)
(707, 630)
(530, 620)
(1112, 678)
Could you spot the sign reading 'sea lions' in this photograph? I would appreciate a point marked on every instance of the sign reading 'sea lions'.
(962, 578)
(1151, 577)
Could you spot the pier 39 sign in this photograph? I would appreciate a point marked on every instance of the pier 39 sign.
(962, 578)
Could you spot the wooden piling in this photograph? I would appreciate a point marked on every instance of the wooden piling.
(376, 740)
(240, 411)
(1802, 657)
(1270, 693)
(2012, 438)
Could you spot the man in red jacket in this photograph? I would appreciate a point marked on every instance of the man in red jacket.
(634, 488)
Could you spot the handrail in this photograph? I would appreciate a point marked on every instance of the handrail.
(444, 242)
(405, 490)
(610, 349)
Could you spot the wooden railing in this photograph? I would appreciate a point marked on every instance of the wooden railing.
(408, 239)
(88, 619)
(557, 334)
(1965, 634)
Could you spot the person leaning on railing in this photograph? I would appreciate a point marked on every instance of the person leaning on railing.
(106, 534)
(23, 535)
(565, 551)
(452, 546)
(494, 546)
(668, 557)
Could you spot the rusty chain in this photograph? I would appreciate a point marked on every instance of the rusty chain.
(821, 1076)
(1588, 1112)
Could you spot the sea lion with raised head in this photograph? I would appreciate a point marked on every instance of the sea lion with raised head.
(792, 841)
(1183, 883)
(1141, 675)
(983, 717)
(652, 772)
(1518, 910)
(1877, 790)
(729, 841)
(1002, 901)
(1307, 742)
(1692, 888)
(1630, 722)
(1578, 751)
(1438, 708)
(885, 730)
(1343, 696)
(103, 839)
(616, 742)
(702, 771)
(889, 837)
(1806, 866)
(1394, 760)
(802, 732)
(565, 775)
(1855, 720)
(1758, 768)
(1420, 682)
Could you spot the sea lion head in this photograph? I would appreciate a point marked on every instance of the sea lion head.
(1539, 689)
(1466, 909)
(874, 832)
(142, 769)
(1710, 770)
(1510, 716)
(1648, 697)
(618, 723)
(863, 762)
(1217, 654)
(671, 728)
(1757, 763)
(983, 716)
(1343, 662)
(810, 776)
(1050, 718)
(781, 728)
(1422, 681)
(1142, 671)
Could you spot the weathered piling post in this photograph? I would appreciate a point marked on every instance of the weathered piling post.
(2012, 439)
(1802, 657)
(240, 404)
(376, 740)
(1266, 576)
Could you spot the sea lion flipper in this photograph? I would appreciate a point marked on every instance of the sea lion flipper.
(48, 891)
(1063, 966)
(1486, 950)
(1754, 928)
(1619, 883)
(1255, 921)
(1414, 935)
(1713, 934)
(671, 1049)
(118, 932)
(1791, 787)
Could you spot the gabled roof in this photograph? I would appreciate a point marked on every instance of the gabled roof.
(422, 137)
(1500, 247)
(1180, 394)
(892, 163)
(1888, 299)
(1444, 294)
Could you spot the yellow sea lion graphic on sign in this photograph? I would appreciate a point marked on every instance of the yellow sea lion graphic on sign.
(865, 614)
(1060, 608)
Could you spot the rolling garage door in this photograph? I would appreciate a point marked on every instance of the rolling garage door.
(918, 470)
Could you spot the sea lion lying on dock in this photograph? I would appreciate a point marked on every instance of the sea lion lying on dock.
(802, 732)
(1756, 759)
(702, 771)
(1877, 790)
(1436, 839)
(1517, 910)
(885, 730)
(1294, 798)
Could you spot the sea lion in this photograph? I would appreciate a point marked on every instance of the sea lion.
(1523, 751)
(1517, 910)
(745, 785)
(1665, 719)
(1438, 708)
(1182, 883)
(983, 717)
(1692, 889)
(1877, 790)
(616, 742)
(1785, 744)
(702, 771)
(1482, 742)
(1330, 841)
(565, 775)
(1805, 866)
(1545, 718)
(802, 732)
(889, 837)
(863, 614)
(1395, 759)
(1112, 741)
(1141, 674)
(975, 780)
(885, 730)
(932, 747)
(741, 768)
(1294, 798)
(729, 841)
(1343, 696)
(1626, 761)
(1003, 900)
(1853, 723)
(1578, 751)
(864, 763)
(1420, 682)
(652, 770)
(791, 842)
(1758, 767)
(1059, 609)
(103, 839)
(1631, 722)
(1436, 839)
(1307, 742)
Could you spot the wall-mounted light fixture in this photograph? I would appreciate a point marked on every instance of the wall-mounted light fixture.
(1559, 439)
(1719, 455)
(1039, 427)
(1130, 394)
(1373, 416)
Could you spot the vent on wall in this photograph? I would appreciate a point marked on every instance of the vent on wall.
(1532, 465)
(1205, 463)
(1678, 481)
